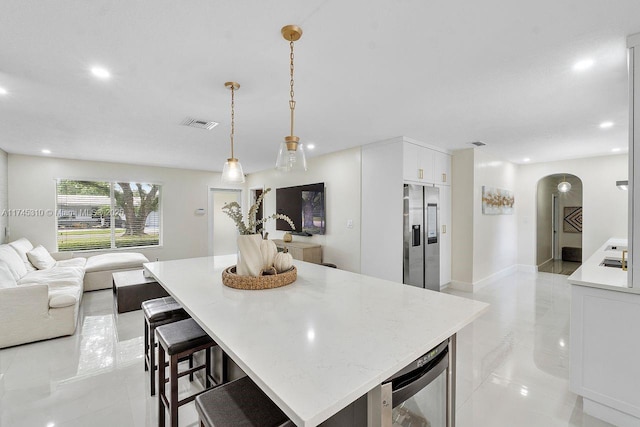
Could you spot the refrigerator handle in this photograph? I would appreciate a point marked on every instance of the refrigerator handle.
(415, 232)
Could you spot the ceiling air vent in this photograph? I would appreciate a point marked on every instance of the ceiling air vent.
(478, 143)
(200, 124)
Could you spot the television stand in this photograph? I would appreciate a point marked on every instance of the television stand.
(302, 251)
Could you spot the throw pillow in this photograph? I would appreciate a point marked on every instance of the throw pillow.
(40, 258)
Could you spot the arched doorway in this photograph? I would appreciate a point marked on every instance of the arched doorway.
(559, 224)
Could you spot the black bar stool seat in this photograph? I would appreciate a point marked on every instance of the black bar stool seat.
(239, 403)
(159, 309)
(182, 335)
(180, 340)
(157, 312)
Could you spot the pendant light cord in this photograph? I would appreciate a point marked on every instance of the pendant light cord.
(292, 103)
(233, 125)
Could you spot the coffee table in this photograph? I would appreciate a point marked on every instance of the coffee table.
(131, 288)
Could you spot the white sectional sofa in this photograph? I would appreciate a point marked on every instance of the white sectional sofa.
(37, 304)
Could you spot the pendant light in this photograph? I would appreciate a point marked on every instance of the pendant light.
(291, 154)
(564, 186)
(232, 171)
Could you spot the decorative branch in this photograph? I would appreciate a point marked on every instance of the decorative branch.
(234, 211)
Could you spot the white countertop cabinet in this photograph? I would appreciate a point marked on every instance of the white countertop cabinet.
(319, 344)
(605, 344)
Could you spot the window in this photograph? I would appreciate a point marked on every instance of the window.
(107, 215)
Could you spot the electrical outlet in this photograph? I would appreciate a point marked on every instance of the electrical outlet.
(349, 223)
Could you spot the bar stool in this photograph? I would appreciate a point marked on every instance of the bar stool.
(239, 403)
(180, 340)
(158, 312)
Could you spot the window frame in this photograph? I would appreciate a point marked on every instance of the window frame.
(112, 182)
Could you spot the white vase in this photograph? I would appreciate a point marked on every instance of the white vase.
(249, 255)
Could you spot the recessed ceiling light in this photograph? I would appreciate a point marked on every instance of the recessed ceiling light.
(311, 146)
(3, 91)
(615, 150)
(526, 159)
(583, 65)
(45, 151)
(606, 125)
(101, 73)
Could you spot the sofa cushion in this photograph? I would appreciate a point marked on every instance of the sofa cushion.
(115, 261)
(13, 261)
(6, 277)
(41, 258)
(57, 277)
(22, 246)
(62, 300)
(72, 262)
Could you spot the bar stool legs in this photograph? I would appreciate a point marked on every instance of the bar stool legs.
(179, 341)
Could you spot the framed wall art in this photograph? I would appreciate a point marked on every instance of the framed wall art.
(497, 201)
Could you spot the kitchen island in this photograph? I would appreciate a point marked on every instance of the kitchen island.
(605, 313)
(321, 343)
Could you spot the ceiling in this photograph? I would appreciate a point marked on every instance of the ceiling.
(446, 72)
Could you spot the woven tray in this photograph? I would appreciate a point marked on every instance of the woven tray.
(232, 280)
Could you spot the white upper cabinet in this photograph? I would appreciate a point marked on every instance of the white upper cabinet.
(442, 168)
(425, 166)
(411, 170)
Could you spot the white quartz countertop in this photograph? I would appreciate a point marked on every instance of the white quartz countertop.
(320, 343)
(592, 274)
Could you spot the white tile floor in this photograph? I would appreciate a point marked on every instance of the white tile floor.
(513, 366)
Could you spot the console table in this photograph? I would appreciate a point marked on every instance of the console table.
(302, 251)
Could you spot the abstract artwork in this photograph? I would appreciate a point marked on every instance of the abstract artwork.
(572, 222)
(497, 201)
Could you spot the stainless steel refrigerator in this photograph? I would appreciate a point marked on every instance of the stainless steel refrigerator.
(421, 237)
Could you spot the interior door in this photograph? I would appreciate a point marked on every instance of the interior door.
(223, 233)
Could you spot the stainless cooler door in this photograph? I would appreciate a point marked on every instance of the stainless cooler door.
(413, 259)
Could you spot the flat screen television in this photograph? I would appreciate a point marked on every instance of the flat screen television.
(304, 204)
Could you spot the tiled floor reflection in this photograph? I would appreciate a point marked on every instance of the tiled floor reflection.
(513, 366)
(94, 378)
(513, 362)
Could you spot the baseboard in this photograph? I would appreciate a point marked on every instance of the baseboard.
(461, 286)
(609, 414)
(497, 275)
(526, 268)
(472, 287)
(546, 262)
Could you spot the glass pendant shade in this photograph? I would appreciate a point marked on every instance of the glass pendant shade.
(564, 186)
(232, 172)
(291, 159)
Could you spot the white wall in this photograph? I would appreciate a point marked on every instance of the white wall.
(604, 206)
(184, 234)
(340, 173)
(482, 245)
(4, 194)
(494, 236)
